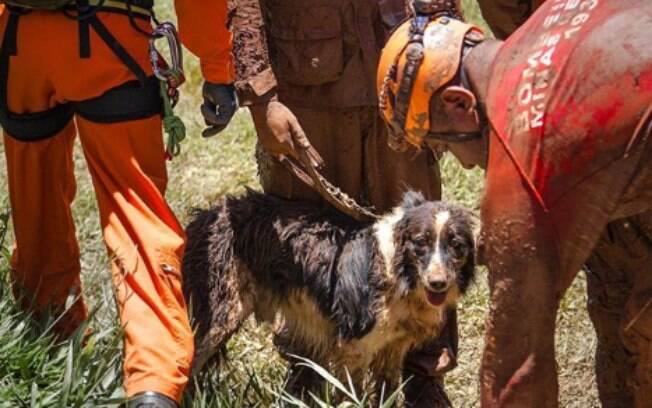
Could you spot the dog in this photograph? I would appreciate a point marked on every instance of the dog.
(352, 296)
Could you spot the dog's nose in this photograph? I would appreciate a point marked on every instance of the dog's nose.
(438, 285)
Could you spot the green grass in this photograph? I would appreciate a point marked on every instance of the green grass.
(37, 371)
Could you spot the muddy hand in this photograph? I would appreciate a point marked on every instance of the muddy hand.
(218, 108)
(280, 133)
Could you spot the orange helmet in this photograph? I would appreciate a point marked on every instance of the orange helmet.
(421, 56)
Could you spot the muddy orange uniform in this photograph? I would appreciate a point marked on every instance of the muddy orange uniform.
(616, 261)
(563, 132)
(86, 72)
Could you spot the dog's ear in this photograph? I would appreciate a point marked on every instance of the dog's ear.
(402, 265)
(467, 272)
(412, 199)
(356, 291)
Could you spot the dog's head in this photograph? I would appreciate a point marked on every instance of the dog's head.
(429, 249)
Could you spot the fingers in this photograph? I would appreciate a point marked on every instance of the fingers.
(212, 131)
(217, 115)
(300, 141)
(218, 108)
(212, 120)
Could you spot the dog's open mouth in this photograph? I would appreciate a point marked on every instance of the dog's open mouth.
(436, 298)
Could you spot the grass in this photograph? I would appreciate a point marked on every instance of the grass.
(36, 371)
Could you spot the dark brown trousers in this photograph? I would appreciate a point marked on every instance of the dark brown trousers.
(619, 279)
(619, 274)
(353, 143)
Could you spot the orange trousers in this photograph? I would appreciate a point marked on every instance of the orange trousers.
(126, 160)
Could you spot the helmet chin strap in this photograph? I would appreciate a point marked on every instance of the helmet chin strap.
(452, 137)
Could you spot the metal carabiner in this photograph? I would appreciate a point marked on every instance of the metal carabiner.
(170, 72)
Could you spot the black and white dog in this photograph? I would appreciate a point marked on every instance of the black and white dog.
(352, 296)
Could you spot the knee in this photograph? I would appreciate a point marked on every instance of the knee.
(637, 338)
(637, 325)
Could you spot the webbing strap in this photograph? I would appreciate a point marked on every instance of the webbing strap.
(30, 126)
(414, 55)
(130, 101)
(10, 42)
(84, 34)
(138, 8)
(118, 49)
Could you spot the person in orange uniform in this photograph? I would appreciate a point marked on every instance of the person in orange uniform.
(82, 68)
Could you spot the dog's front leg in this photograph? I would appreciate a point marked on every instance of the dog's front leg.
(386, 372)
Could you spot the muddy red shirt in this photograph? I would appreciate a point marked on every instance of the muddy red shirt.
(570, 88)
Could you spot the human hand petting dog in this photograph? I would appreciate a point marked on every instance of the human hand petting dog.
(281, 134)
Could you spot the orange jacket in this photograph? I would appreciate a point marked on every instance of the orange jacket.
(202, 25)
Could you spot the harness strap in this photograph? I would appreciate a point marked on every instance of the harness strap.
(28, 126)
(10, 41)
(129, 101)
(84, 34)
(414, 54)
(137, 8)
(118, 49)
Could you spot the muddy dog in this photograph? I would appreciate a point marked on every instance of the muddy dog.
(352, 296)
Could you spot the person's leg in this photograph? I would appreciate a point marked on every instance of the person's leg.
(40, 175)
(145, 242)
(45, 260)
(637, 324)
(619, 284)
(637, 337)
(608, 287)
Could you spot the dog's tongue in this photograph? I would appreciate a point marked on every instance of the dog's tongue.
(436, 299)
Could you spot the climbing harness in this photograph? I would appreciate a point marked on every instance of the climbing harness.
(142, 98)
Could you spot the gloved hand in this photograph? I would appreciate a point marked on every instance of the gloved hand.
(218, 108)
(280, 133)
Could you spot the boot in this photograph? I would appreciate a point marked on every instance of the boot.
(423, 391)
(150, 400)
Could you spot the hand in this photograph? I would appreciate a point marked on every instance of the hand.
(280, 133)
(218, 108)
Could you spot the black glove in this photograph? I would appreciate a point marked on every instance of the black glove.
(218, 108)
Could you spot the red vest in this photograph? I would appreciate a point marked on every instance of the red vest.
(569, 89)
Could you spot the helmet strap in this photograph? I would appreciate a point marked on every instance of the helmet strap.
(414, 56)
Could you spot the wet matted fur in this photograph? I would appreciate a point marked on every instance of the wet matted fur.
(349, 295)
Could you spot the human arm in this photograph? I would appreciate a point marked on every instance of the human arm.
(203, 29)
(278, 128)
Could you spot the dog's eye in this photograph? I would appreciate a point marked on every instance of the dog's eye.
(422, 239)
(458, 249)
